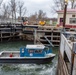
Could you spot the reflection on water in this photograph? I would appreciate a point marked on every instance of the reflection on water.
(26, 69)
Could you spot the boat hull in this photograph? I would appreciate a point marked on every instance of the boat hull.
(26, 60)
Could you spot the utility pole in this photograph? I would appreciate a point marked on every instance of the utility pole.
(64, 16)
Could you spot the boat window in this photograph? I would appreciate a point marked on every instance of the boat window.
(38, 51)
(46, 48)
(22, 50)
(30, 51)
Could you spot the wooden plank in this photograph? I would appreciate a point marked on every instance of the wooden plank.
(74, 47)
(68, 52)
(74, 66)
(65, 46)
(62, 43)
(62, 68)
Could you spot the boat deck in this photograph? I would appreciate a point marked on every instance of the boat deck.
(6, 54)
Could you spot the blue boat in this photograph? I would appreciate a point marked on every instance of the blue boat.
(38, 54)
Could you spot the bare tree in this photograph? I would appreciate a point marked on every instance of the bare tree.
(41, 14)
(38, 15)
(13, 5)
(58, 5)
(5, 10)
(21, 9)
(73, 4)
(1, 2)
(33, 17)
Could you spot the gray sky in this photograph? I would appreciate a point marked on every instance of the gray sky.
(35, 5)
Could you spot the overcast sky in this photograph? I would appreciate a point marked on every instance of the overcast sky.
(36, 5)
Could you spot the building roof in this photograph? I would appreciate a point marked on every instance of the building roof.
(68, 10)
(35, 46)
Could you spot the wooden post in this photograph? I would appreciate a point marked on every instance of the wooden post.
(34, 36)
(73, 65)
(64, 16)
(72, 62)
(1, 37)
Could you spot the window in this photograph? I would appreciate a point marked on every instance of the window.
(22, 50)
(73, 15)
(38, 51)
(72, 20)
(30, 51)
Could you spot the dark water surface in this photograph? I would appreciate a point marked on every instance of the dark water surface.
(26, 69)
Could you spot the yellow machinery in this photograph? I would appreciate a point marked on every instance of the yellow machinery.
(42, 23)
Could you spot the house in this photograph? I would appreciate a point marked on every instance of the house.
(70, 18)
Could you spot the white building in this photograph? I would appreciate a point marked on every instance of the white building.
(70, 18)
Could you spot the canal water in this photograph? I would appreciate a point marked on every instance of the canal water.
(26, 69)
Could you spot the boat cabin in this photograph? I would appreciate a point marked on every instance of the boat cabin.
(34, 51)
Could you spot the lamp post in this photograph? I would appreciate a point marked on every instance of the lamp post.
(64, 16)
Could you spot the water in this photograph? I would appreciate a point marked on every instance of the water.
(26, 69)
